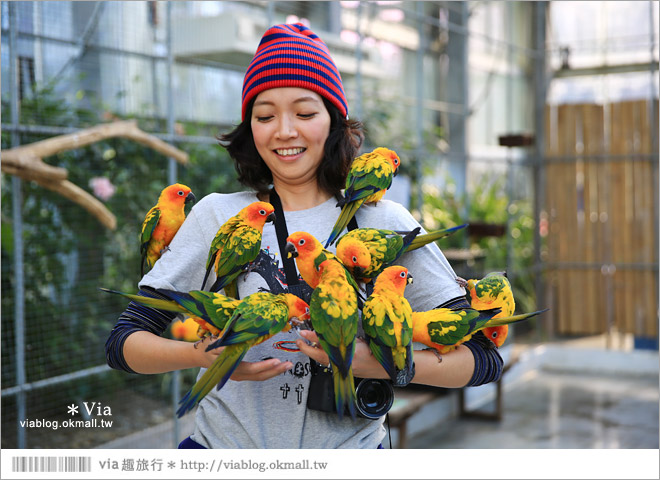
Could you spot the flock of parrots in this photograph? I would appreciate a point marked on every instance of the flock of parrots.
(363, 255)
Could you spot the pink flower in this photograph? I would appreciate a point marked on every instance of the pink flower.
(102, 188)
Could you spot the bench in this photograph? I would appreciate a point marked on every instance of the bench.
(406, 404)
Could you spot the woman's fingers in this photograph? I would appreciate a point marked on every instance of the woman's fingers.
(259, 371)
(313, 351)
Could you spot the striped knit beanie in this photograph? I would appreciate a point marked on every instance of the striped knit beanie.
(291, 55)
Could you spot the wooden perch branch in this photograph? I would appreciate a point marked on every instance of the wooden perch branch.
(25, 161)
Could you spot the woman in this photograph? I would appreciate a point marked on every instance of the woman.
(295, 134)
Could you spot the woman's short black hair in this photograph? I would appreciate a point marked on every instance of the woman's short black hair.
(341, 147)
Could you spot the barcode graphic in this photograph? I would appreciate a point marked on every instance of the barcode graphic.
(51, 464)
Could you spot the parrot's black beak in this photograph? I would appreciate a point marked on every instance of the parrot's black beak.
(290, 250)
(396, 172)
(271, 218)
(190, 198)
(409, 279)
(358, 272)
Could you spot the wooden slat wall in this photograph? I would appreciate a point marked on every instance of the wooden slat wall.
(601, 212)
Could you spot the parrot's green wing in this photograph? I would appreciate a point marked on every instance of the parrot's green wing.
(212, 307)
(240, 248)
(148, 227)
(462, 323)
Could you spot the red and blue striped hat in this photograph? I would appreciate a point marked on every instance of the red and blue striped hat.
(291, 55)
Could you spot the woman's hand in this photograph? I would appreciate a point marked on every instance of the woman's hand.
(364, 363)
(254, 371)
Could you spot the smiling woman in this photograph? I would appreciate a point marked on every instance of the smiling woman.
(293, 147)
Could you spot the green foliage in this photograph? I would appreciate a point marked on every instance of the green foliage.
(488, 203)
(68, 254)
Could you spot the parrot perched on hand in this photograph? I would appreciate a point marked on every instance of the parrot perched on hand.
(257, 318)
(387, 324)
(309, 255)
(443, 329)
(334, 317)
(492, 291)
(236, 244)
(162, 222)
(368, 179)
(366, 252)
(210, 310)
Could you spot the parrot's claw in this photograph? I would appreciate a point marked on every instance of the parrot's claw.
(165, 249)
(436, 353)
(461, 282)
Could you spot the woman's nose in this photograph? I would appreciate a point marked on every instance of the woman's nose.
(286, 129)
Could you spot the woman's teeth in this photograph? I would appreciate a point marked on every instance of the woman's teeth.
(289, 151)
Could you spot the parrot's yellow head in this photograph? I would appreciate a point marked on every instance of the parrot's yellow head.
(178, 194)
(394, 278)
(354, 254)
(257, 214)
(497, 335)
(390, 155)
(303, 245)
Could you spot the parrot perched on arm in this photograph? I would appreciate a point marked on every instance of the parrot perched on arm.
(366, 252)
(257, 318)
(334, 317)
(236, 244)
(443, 329)
(162, 222)
(368, 179)
(387, 324)
(210, 310)
(492, 291)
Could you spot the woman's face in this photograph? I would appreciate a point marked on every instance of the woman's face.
(290, 126)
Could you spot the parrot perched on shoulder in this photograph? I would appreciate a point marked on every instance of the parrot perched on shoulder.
(257, 318)
(492, 291)
(334, 317)
(368, 179)
(309, 255)
(443, 329)
(236, 244)
(366, 252)
(210, 310)
(387, 324)
(162, 222)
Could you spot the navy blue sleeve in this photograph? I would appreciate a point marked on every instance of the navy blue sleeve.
(488, 363)
(135, 318)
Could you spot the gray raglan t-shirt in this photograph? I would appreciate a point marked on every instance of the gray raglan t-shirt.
(273, 413)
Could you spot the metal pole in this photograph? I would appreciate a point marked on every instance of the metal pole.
(17, 224)
(539, 152)
(653, 115)
(270, 14)
(171, 178)
(419, 107)
(509, 151)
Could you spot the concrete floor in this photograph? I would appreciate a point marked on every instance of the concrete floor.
(560, 410)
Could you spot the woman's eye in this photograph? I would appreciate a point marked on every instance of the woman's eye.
(263, 119)
(306, 115)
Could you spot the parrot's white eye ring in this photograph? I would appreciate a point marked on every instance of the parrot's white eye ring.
(354, 259)
(301, 241)
(402, 274)
(180, 193)
(262, 212)
(494, 334)
(396, 161)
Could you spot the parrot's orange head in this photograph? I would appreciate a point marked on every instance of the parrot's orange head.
(302, 244)
(354, 254)
(186, 330)
(497, 335)
(177, 193)
(391, 156)
(257, 214)
(395, 278)
(298, 308)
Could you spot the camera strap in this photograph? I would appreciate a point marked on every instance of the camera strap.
(282, 233)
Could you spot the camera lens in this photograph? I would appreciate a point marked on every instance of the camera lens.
(374, 397)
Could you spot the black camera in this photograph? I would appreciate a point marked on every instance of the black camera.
(374, 395)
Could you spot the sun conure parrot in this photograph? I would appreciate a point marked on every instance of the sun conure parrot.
(257, 318)
(366, 252)
(334, 317)
(309, 255)
(368, 179)
(236, 244)
(162, 222)
(185, 329)
(443, 329)
(492, 291)
(387, 324)
(211, 310)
